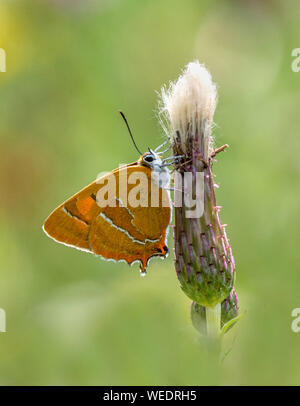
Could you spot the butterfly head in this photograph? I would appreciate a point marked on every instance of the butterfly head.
(160, 171)
(151, 159)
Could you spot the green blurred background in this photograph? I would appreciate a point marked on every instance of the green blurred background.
(73, 319)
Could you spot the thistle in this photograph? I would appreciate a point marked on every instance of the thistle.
(229, 314)
(203, 258)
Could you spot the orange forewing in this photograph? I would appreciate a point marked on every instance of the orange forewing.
(118, 233)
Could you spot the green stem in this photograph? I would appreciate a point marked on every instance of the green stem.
(213, 321)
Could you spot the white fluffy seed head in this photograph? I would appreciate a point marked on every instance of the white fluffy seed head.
(188, 106)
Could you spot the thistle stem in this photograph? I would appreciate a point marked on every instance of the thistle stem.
(213, 321)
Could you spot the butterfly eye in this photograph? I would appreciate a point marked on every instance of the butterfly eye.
(149, 158)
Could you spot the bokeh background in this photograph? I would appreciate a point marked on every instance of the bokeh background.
(73, 319)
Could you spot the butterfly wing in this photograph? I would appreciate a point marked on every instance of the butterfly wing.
(116, 231)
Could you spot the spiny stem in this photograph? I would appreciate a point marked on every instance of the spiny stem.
(218, 150)
(213, 321)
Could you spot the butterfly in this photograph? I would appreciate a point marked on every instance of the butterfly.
(117, 218)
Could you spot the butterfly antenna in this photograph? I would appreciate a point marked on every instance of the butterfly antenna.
(130, 133)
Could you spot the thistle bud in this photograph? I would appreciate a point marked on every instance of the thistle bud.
(203, 257)
(229, 311)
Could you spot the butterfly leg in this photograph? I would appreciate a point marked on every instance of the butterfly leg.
(162, 145)
(174, 157)
(165, 150)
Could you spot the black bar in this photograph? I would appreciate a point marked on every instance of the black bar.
(134, 394)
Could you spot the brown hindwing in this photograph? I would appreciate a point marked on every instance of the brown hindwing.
(119, 233)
